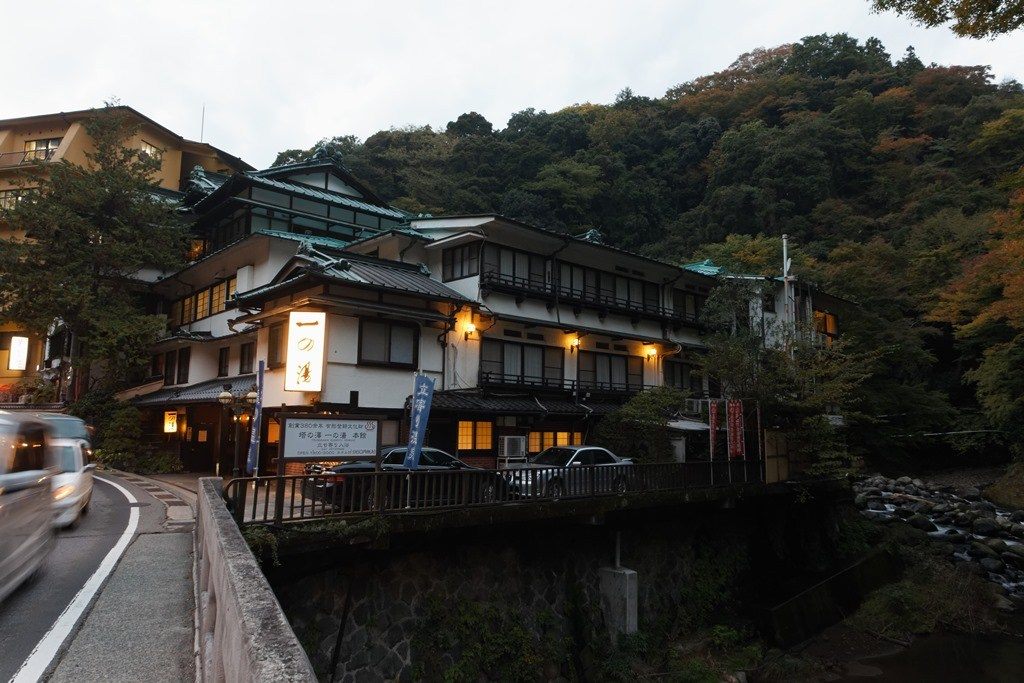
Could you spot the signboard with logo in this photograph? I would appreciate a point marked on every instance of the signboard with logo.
(18, 359)
(422, 395)
(304, 362)
(734, 424)
(322, 437)
(170, 421)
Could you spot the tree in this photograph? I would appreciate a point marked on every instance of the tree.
(90, 230)
(469, 124)
(970, 18)
(639, 428)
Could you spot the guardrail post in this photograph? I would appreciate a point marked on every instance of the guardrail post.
(239, 502)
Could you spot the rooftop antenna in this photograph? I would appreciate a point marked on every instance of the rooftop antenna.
(202, 123)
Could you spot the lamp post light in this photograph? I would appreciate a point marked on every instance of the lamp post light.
(239, 404)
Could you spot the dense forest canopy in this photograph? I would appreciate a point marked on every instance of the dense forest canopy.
(898, 182)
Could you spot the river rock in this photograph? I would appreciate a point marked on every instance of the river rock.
(985, 526)
(876, 505)
(992, 564)
(1013, 560)
(903, 481)
(1017, 516)
(997, 544)
(861, 501)
(971, 493)
(981, 550)
(1017, 550)
(919, 521)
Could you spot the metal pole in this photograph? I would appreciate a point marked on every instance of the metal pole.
(237, 470)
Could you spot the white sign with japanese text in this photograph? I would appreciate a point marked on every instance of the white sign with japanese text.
(328, 438)
(304, 364)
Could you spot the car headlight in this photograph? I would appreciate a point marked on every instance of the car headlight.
(62, 492)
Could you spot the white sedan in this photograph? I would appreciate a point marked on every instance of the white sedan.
(70, 448)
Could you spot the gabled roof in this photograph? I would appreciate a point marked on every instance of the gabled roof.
(201, 392)
(322, 160)
(240, 181)
(311, 266)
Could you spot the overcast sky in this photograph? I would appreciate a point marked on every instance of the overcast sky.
(283, 74)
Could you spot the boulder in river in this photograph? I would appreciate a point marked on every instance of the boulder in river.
(919, 521)
(985, 526)
(993, 564)
(1017, 516)
(981, 550)
(972, 493)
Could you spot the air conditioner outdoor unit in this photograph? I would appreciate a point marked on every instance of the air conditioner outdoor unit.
(511, 451)
(693, 406)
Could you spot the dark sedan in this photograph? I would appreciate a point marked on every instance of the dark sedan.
(350, 487)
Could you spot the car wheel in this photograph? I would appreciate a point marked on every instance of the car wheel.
(88, 502)
(556, 490)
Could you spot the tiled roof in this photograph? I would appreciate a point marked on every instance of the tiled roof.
(475, 402)
(324, 196)
(202, 392)
(361, 271)
(705, 267)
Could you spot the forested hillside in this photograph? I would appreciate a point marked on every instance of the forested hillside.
(900, 184)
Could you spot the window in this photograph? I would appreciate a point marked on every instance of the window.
(245, 356)
(151, 151)
(475, 436)
(767, 300)
(683, 375)
(460, 262)
(610, 372)
(825, 326)
(223, 359)
(184, 355)
(538, 441)
(596, 456)
(686, 304)
(383, 342)
(516, 363)
(515, 267)
(170, 365)
(203, 303)
(156, 365)
(275, 346)
(41, 150)
(29, 450)
(9, 199)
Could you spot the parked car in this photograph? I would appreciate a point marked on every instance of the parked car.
(553, 472)
(72, 484)
(337, 488)
(26, 515)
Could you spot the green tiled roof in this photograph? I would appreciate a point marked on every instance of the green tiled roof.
(705, 267)
(325, 196)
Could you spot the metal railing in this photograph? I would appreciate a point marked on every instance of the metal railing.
(600, 299)
(357, 494)
(30, 156)
(491, 378)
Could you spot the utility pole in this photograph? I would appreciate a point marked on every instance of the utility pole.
(788, 317)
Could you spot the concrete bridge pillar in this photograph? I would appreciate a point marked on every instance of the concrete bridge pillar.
(618, 599)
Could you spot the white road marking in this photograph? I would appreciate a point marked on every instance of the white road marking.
(33, 668)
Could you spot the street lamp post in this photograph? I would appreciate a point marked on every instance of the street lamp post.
(239, 404)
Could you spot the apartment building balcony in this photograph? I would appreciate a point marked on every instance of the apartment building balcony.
(25, 157)
(602, 301)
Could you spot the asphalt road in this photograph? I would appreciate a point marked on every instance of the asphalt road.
(28, 613)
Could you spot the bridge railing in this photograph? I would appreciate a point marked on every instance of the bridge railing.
(312, 496)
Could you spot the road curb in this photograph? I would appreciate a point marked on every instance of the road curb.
(179, 511)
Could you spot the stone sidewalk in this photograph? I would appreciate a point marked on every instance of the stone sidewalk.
(142, 624)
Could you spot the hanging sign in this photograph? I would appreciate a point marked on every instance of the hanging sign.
(170, 421)
(257, 418)
(734, 423)
(422, 395)
(316, 437)
(304, 365)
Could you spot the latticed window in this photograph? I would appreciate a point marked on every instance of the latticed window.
(475, 436)
(538, 441)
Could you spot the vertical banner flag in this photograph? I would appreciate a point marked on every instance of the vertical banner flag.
(422, 395)
(257, 414)
(713, 426)
(734, 422)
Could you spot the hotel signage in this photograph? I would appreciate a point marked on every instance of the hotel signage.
(304, 364)
(318, 437)
(170, 421)
(18, 359)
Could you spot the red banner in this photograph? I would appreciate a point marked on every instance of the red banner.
(734, 422)
(713, 424)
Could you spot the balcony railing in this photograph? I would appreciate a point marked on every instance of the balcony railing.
(26, 157)
(531, 286)
(491, 378)
(358, 494)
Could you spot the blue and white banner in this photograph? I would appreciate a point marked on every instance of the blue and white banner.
(254, 435)
(422, 395)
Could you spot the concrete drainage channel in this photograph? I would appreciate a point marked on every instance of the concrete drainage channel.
(243, 635)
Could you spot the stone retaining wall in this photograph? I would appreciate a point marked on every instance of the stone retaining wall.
(243, 634)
